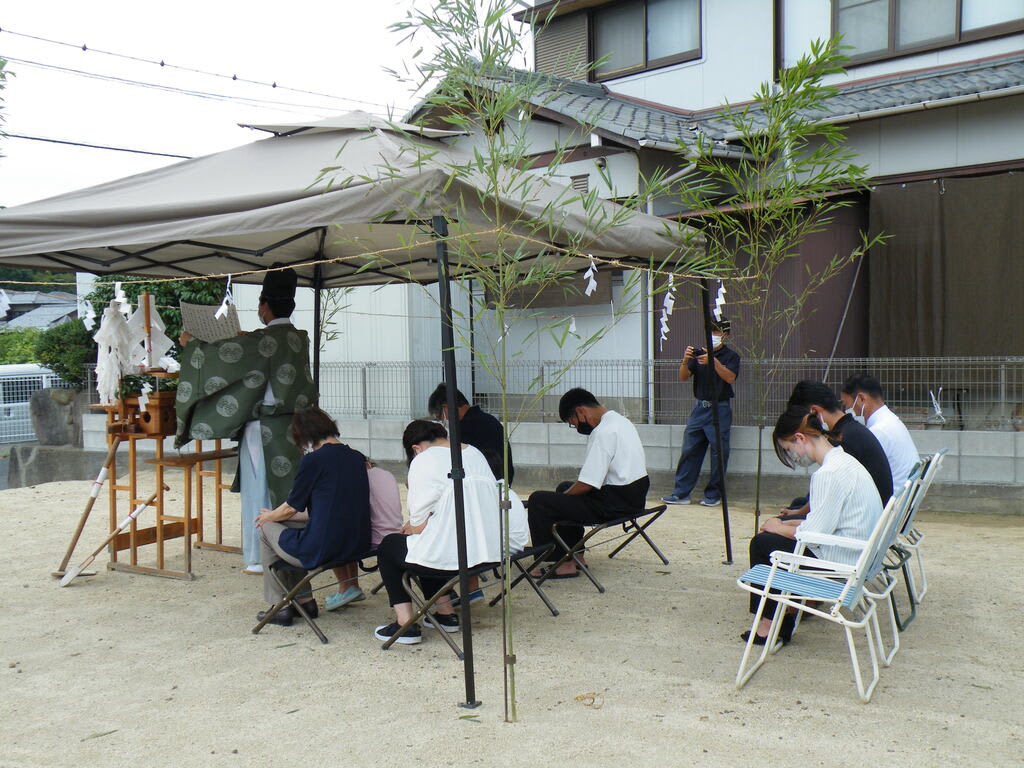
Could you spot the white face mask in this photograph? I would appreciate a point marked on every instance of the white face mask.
(859, 418)
(716, 341)
(799, 459)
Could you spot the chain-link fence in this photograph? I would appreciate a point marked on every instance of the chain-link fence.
(977, 393)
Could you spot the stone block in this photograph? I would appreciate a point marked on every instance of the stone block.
(655, 435)
(986, 444)
(1018, 440)
(677, 435)
(949, 472)
(660, 458)
(932, 440)
(1020, 471)
(56, 417)
(742, 461)
(530, 432)
(386, 450)
(358, 444)
(985, 469)
(567, 455)
(743, 437)
(353, 429)
(531, 454)
(386, 429)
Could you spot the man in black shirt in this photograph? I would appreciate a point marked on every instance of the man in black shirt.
(854, 438)
(479, 429)
(700, 430)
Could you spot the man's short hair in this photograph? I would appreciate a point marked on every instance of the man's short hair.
(807, 393)
(724, 325)
(572, 400)
(862, 382)
(439, 398)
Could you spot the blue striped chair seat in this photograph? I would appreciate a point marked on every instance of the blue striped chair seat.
(801, 585)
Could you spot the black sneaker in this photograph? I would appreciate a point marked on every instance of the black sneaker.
(449, 622)
(412, 635)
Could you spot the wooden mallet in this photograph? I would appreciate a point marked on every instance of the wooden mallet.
(70, 575)
(94, 492)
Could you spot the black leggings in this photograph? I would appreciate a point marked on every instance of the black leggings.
(391, 556)
(761, 548)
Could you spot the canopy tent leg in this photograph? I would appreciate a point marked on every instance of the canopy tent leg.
(705, 300)
(440, 227)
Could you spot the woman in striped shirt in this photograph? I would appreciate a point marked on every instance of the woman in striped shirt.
(843, 502)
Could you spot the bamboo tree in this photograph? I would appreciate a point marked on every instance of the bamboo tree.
(794, 176)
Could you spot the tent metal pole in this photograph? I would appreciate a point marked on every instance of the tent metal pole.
(716, 387)
(440, 227)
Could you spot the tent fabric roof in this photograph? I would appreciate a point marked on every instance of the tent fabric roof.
(245, 208)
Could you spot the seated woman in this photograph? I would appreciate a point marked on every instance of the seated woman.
(385, 518)
(426, 547)
(326, 516)
(843, 501)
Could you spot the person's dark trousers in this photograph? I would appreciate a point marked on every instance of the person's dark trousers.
(761, 548)
(699, 435)
(606, 503)
(391, 556)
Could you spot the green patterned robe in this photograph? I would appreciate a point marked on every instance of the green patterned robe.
(221, 387)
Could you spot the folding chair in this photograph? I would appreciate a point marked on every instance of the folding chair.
(911, 537)
(535, 556)
(279, 566)
(423, 605)
(838, 586)
(631, 529)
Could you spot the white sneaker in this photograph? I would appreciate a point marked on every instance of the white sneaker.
(254, 569)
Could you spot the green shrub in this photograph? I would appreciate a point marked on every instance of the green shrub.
(18, 345)
(66, 350)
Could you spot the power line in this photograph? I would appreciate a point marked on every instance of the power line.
(164, 64)
(94, 146)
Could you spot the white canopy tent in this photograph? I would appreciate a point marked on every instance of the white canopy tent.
(380, 216)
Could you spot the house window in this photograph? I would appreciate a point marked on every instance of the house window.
(636, 35)
(877, 29)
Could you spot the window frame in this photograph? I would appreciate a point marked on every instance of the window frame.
(959, 36)
(649, 64)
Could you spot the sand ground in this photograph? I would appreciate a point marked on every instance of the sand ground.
(130, 670)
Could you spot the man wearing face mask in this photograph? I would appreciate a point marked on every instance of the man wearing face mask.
(246, 388)
(862, 397)
(612, 481)
(477, 427)
(856, 439)
(700, 429)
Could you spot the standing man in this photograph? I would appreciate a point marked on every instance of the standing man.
(862, 398)
(247, 388)
(700, 429)
(612, 481)
(478, 428)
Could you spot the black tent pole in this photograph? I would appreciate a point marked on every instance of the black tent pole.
(716, 386)
(440, 226)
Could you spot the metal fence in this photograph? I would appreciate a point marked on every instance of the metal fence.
(978, 393)
(15, 392)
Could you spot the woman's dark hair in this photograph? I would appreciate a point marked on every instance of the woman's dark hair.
(420, 431)
(572, 400)
(311, 426)
(797, 418)
(807, 393)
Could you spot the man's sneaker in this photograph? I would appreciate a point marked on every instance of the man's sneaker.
(449, 622)
(474, 597)
(706, 502)
(336, 600)
(412, 635)
(673, 499)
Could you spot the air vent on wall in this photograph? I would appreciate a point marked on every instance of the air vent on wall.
(580, 183)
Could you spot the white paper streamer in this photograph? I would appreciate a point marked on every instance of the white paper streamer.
(936, 406)
(719, 301)
(169, 364)
(90, 316)
(5, 304)
(228, 300)
(144, 396)
(667, 307)
(572, 325)
(591, 277)
(121, 299)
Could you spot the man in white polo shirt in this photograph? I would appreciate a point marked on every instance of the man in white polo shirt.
(612, 482)
(862, 398)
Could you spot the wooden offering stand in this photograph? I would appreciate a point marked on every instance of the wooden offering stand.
(157, 422)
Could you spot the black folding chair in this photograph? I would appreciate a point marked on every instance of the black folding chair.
(280, 566)
(631, 529)
(535, 556)
(423, 605)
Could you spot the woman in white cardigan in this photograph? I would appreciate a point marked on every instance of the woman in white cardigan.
(843, 501)
(426, 547)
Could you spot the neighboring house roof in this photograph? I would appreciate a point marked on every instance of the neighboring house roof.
(644, 124)
(46, 316)
(40, 297)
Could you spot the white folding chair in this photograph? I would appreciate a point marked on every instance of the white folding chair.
(836, 590)
(910, 535)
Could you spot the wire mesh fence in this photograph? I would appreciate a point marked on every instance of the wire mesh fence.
(16, 390)
(971, 393)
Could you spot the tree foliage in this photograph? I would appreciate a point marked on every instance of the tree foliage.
(18, 345)
(66, 349)
(11, 277)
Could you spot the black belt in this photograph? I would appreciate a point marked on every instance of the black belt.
(708, 403)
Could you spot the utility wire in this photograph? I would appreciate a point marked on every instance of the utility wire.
(94, 146)
(164, 64)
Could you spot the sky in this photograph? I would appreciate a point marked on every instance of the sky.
(336, 47)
